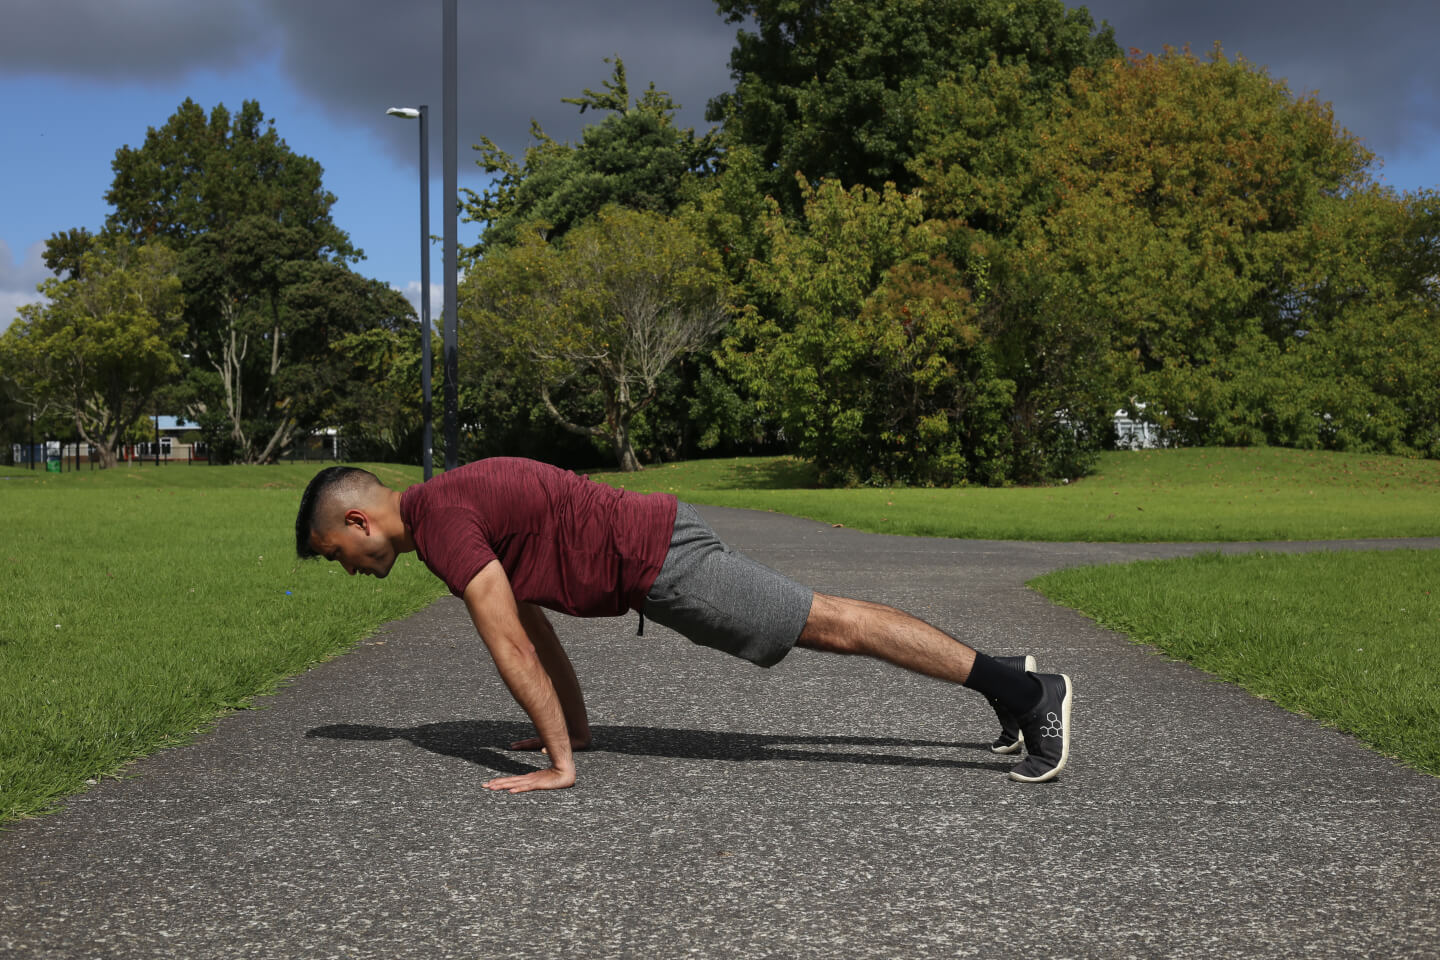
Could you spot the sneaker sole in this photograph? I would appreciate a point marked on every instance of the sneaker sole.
(1054, 771)
(1020, 740)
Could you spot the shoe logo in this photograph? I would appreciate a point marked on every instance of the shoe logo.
(1051, 727)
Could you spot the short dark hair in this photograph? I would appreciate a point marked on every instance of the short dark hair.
(328, 483)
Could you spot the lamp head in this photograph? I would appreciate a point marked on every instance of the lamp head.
(409, 113)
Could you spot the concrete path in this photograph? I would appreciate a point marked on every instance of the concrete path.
(829, 808)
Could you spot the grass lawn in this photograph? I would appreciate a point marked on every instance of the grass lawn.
(1159, 495)
(1347, 638)
(143, 602)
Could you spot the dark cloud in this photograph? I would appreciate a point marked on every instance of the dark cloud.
(138, 40)
(517, 60)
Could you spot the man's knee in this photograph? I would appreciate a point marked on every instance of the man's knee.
(834, 625)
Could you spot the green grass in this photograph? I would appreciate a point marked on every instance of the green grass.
(141, 603)
(1161, 495)
(1347, 638)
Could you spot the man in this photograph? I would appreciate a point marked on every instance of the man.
(514, 537)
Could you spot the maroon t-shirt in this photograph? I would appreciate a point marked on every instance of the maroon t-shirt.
(566, 543)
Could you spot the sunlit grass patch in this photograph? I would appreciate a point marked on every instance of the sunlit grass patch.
(1347, 638)
(1159, 495)
(140, 604)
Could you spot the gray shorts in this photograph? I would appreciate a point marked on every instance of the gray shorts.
(718, 597)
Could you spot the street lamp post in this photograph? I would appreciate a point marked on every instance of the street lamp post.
(452, 267)
(423, 114)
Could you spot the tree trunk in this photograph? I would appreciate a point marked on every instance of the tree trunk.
(617, 415)
(624, 452)
(230, 368)
(99, 442)
(279, 440)
(616, 429)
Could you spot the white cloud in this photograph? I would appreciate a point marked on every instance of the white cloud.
(18, 280)
(437, 298)
(10, 304)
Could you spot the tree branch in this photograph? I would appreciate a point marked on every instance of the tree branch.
(596, 431)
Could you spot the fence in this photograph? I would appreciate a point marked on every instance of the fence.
(57, 455)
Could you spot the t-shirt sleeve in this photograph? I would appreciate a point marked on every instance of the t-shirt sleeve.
(454, 547)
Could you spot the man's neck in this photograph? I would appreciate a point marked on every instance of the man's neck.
(399, 534)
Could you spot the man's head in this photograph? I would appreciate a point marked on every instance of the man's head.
(348, 515)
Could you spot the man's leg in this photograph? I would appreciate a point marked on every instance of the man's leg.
(1041, 703)
(842, 625)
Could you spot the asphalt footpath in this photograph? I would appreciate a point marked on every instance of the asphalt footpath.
(829, 807)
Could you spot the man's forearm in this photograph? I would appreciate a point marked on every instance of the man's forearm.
(529, 683)
(561, 672)
(497, 619)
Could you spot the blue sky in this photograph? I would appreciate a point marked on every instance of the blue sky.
(68, 130)
(63, 134)
(80, 78)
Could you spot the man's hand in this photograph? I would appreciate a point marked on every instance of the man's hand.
(535, 743)
(554, 778)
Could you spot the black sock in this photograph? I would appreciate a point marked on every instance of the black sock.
(1015, 690)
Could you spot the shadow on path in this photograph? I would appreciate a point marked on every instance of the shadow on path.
(486, 743)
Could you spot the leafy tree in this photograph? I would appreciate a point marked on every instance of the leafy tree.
(612, 305)
(874, 363)
(1153, 238)
(197, 175)
(251, 221)
(636, 158)
(24, 412)
(384, 419)
(64, 251)
(1353, 361)
(835, 88)
(324, 306)
(107, 339)
(1187, 233)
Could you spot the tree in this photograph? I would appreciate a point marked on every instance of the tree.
(324, 308)
(636, 158)
(615, 303)
(196, 176)
(64, 251)
(873, 361)
(834, 88)
(1170, 232)
(107, 339)
(251, 220)
(24, 412)
(1187, 233)
(1351, 358)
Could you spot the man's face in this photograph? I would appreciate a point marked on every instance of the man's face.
(356, 545)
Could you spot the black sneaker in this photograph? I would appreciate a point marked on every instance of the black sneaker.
(1010, 738)
(1047, 731)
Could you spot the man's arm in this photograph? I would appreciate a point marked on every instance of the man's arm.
(495, 615)
(562, 676)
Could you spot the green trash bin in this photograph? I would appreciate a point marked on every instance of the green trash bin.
(52, 465)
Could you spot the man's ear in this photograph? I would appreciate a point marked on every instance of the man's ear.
(357, 518)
